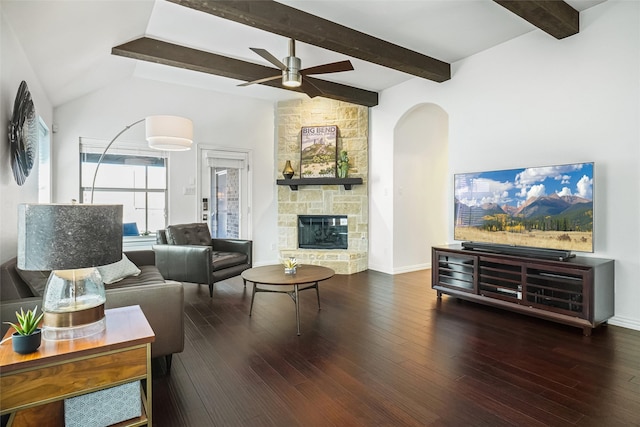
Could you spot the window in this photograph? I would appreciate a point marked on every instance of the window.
(135, 178)
(44, 163)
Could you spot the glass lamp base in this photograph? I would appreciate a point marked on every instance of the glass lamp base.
(73, 304)
(73, 332)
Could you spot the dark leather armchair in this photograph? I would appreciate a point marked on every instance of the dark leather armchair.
(187, 253)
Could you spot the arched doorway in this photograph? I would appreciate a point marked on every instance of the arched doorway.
(421, 183)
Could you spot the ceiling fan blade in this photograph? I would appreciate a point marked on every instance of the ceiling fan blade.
(310, 89)
(266, 79)
(266, 55)
(334, 67)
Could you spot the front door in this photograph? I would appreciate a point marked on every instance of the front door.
(225, 189)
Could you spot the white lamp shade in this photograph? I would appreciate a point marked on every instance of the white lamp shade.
(169, 133)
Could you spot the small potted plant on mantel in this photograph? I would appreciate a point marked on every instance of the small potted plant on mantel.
(27, 337)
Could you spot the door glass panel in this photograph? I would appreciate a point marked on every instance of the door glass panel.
(225, 194)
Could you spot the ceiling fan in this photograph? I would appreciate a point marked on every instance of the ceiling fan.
(292, 73)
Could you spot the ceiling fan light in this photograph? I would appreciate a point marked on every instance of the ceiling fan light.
(291, 77)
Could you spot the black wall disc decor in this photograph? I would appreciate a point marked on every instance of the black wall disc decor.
(23, 134)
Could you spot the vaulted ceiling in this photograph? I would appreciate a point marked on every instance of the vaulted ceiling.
(76, 47)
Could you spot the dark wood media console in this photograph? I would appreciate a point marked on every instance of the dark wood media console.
(577, 292)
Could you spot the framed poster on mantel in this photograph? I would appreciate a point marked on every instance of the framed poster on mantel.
(318, 151)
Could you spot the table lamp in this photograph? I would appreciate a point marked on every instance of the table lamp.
(71, 240)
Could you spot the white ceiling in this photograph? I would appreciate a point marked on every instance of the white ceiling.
(68, 42)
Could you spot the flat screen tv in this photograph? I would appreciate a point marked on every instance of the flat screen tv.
(548, 207)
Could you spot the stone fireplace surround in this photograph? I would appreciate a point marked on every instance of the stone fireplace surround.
(353, 130)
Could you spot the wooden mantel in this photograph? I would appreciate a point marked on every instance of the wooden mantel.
(294, 183)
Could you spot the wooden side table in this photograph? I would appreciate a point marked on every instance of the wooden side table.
(35, 385)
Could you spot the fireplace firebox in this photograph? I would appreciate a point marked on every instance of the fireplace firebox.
(322, 231)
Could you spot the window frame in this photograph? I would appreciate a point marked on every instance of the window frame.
(132, 151)
(45, 177)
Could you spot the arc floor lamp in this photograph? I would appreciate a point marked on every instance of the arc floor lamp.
(167, 133)
(73, 239)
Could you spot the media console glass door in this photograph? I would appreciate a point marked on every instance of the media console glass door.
(456, 271)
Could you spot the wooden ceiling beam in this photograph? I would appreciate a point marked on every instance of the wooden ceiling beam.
(287, 21)
(552, 16)
(160, 52)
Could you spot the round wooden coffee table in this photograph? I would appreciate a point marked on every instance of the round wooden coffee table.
(274, 275)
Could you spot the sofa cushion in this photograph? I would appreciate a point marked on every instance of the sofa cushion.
(161, 237)
(149, 274)
(221, 260)
(117, 271)
(36, 280)
(189, 234)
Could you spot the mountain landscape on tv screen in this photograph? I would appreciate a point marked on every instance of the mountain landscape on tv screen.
(550, 207)
(544, 213)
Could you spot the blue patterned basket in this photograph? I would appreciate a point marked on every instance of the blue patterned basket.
(105, 407)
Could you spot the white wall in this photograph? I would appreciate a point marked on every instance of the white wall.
(14, 68)
(219, 121)
(535, 101)
(420, 168)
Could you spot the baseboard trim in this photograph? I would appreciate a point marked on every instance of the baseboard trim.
(411, 268)
(379, 269)
(625, 322)
(400, 270)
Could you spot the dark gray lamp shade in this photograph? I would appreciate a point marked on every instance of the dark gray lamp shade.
(66, 237)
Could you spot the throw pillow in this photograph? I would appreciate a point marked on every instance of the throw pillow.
(36, 280)
(112, 273)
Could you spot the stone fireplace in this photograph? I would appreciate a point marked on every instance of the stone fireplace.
(324, 200)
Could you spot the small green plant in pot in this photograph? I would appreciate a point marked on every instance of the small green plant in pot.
(290, 265)
(27, 337)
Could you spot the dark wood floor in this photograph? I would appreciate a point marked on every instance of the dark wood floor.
(383, 351)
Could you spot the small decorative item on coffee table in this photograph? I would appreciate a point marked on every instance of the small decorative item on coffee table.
(290, 265)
